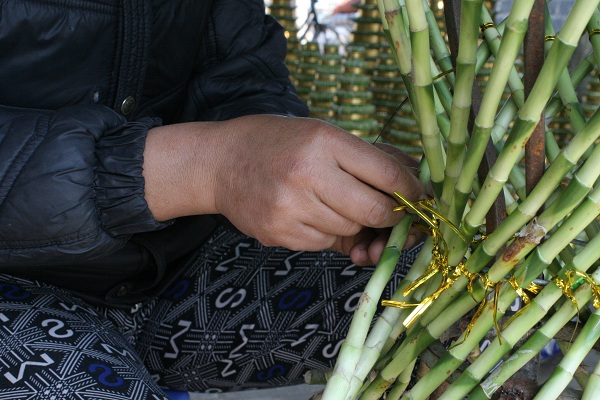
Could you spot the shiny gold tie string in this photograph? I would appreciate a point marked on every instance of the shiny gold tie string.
(439, 261)
(425, 210)
(572, 281)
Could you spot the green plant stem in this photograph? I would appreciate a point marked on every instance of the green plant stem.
(524, 213)
(532, 346)
(528, 116)
(593, 27)
(493, 36)
(424, 94)
(402, 383)
(461, 102)
(564, 163)
(527, 272)
(526, 319)
(563, 373)
(396, 29)
(581, 71)
(565, 87)
(515, 30)
(381, 337)
(438, 45)
(593, 386)
(338, 385)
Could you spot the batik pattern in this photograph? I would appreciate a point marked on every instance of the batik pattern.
(242, 316)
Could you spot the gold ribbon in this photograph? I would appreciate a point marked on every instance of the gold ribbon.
(439, 265)
(439, 259)
(594, 32)
(569, 283)
(487, 26)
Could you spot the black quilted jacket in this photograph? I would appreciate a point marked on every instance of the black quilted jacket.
(81, 82)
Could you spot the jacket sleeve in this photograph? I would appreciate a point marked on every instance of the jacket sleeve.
(241, 66)
(71, 184)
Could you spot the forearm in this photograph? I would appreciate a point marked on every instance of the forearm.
(179, 161)
(294, 182)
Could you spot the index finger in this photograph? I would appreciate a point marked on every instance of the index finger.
(377, 168)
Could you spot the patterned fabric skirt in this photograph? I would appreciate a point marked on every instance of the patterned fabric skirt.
(242, 316)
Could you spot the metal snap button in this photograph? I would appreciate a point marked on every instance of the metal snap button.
(128, 105)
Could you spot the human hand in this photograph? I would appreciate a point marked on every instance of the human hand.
(299, 183)
(307, 185)
(366, 247)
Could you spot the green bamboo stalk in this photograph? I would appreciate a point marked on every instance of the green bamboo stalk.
(552, 149)
(581, 71)
(493, 36)
(338, 385)
(397, 31)
(398, 37)
(564, 163)
(438, 45)
(580, 217)
(415, 342)
(381, 338)
(593, 30)
(510, 109)
(563, 373)
(533, 266)
(516, 27)
(425, 105)
(533, 345)
(531, 315)
(442, 91)
(528, 116)
(565, 87)
(461, 102)
(402, 383)
(524, 213)
(593, 387)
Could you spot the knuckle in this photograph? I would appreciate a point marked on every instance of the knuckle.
(391, 174)
(301, 169)
(327, 242)
(350, 228)
(377, 214)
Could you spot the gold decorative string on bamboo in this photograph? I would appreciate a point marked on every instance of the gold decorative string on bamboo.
(488, 285)
(439, 264)
(593, 32)
(439, 260)
(487, 26)
(570, 283)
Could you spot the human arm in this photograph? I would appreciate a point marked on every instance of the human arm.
(71, 186)
(295, 182)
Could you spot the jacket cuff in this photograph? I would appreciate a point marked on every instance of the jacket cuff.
(119, 183)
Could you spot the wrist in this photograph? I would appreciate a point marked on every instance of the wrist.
(178, 173)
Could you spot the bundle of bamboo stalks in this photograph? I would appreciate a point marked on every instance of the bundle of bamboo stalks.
(545, 252)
